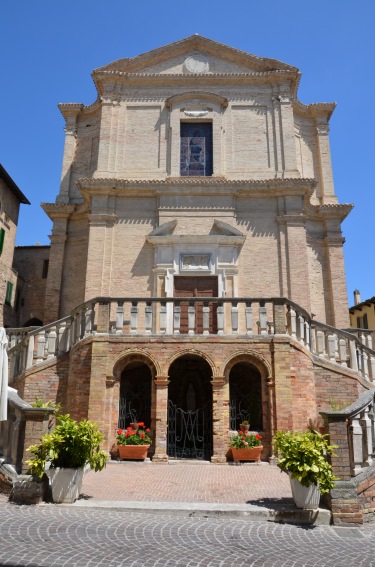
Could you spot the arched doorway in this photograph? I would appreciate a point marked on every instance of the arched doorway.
(190, 409)
(135, 394)
(245, 396)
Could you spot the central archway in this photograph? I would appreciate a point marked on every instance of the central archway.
(190, 409)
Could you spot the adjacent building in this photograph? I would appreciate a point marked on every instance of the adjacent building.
(11, 198)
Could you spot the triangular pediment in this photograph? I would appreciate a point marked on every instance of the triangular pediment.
(195, 54)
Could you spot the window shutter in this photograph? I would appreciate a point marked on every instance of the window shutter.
(2, 238)
(8, 296)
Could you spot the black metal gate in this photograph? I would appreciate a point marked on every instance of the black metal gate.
(135, 400)
(189, 433)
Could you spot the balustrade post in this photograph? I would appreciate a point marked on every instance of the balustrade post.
(163, 318)
(220, 318)
(134, 318)
(206, 318)
(371, 368)
(262, 319)
(353, 355)
(176, 317)
(331, 348)
(368, 446)
(357, 443)
(191, 318)
(307, 335)
(313, 339)
(292, 324)
(249, 318)
(148, 318)
(30, 351)
(234, 317)
(89, 320)
(369, 341)
(51, 344)
(342, 352)
(41, 346)
(320, 344)
(301, 330)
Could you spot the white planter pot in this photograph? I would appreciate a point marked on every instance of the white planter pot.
(66, 484)
(305, 496)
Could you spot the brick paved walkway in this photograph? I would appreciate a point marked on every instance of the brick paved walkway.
(187, 483)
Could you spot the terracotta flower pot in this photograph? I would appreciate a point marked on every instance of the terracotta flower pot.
(133, 451)
(244, 428)
(134, 426)
(252, 454)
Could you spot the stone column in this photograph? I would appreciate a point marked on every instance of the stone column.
(103, 167)
(161, 419)
(220, 420)
(99, 256)
(59, 214)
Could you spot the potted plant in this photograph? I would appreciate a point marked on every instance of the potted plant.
(304, 457)
(67, 449)
(245, 426)
(133, 443)
(246, 446)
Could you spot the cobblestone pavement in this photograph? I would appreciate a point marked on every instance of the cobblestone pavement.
(186, 483)
(53, 536)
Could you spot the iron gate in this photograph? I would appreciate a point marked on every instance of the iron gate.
(189, 433)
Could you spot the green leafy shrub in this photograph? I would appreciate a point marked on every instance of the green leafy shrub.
(70, 445)
(304, 455)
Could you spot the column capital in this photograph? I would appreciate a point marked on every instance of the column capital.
(218, 381)
(161, 382)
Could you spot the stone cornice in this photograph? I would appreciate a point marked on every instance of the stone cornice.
(102, 182)
(333, 210)
(198, 239)
(314, 109)
(61, 210)
(191, 44)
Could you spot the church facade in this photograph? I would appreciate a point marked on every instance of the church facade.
(196, 274)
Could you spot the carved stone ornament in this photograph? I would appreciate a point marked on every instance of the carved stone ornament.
(195, 261)
(195, 113)
(197, 63)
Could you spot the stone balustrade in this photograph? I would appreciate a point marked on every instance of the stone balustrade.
(353, 430)
(241, 317)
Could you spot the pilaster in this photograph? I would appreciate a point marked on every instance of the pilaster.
(220, 417)
(161, 419)
(287, 135)
(59, 214)
(325, 164)
(337, 282)
(70, 113)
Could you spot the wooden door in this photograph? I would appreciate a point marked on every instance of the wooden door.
(201, 286)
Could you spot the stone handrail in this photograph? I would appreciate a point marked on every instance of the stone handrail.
(353, 430)
(243, 317)
(23, 426)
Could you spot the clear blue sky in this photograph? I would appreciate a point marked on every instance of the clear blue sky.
(48, 50)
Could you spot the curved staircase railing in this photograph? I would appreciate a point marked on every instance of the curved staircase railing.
(242, 317)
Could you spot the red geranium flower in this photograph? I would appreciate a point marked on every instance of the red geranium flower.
(258, 436)
(119, 431)
(141, 424)
(148, 430)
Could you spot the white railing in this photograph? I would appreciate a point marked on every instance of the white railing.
(241, 317)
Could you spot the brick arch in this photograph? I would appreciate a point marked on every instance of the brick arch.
(250, 356)
(191, 352)
(134, 355)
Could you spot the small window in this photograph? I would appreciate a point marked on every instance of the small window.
(45, 268)
(2, 238)
(9, 293)
(365, 321)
